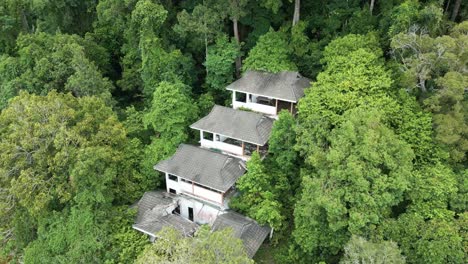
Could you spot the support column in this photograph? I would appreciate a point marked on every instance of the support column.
(276, 106)
(201, 135)
(233, 98)
(258, 149)
(167, 180)
(243, 148)
(292, 108)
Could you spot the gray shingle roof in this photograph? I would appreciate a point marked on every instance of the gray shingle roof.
(242, 125)
(155, 212)
(249, 231)
(284, 85)
(208, 168)
(153, 226)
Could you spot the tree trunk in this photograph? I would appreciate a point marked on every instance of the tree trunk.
(297, 10)
(236, 36)
(447, 7)
(24, 21)
(456, 8)
(422, 85)
(206, 51)
(371, 7)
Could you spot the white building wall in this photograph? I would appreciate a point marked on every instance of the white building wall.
(197, 191)
(208, 195)
(185, 187)
(202, 213)
(170, 184)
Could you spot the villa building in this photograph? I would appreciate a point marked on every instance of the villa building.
(235, 132)
(268, 93)
(200, 181)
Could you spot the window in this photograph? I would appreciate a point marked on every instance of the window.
(173, 178)
(172, 191)
(207, 135)
(241, 97)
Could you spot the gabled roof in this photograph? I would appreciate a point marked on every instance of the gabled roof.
(205, 167)
(155, 212)
(241, 125)
(249, 231)
(286, 85)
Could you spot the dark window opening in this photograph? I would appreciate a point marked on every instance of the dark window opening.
(207, 135)
(241, 97)
(266, 101)
(187, 181)
(190, 213)
(173, 178)
(172, 191)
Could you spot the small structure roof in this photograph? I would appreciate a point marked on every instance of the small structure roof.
(288, 86)
(249, 127)
(249, 231)
(205, 167)
(155, 212)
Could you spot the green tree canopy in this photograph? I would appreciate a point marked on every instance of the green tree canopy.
(359, 250)
(352, 186)
(54, 62)
(270, 54)
(204, 247)
(58, 151)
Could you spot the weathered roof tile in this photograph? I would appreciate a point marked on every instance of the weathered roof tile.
(284, 85)
(208, 168)
(249, 127)
(249, 231)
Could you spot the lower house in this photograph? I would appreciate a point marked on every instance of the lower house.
(156, 209)
(199, 184)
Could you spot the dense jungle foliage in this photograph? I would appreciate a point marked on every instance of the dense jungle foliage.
(373, 169)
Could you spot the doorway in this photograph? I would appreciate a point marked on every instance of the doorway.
(190, 213)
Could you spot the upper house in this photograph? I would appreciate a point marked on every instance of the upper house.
(234, 132)
(268, 93)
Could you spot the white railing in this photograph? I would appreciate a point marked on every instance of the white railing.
(266, 109)
(221, 146)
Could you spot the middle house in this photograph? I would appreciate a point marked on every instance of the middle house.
(234, 132)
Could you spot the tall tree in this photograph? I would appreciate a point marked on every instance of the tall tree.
(204, 247)
(171, 112)
(54, 62)
(203, 24)
(270, 54)
(352, 186)
(359, 250)
(59, 152)
(220, 65)
(260, 193)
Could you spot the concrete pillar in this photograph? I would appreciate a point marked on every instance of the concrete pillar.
(276, 106)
